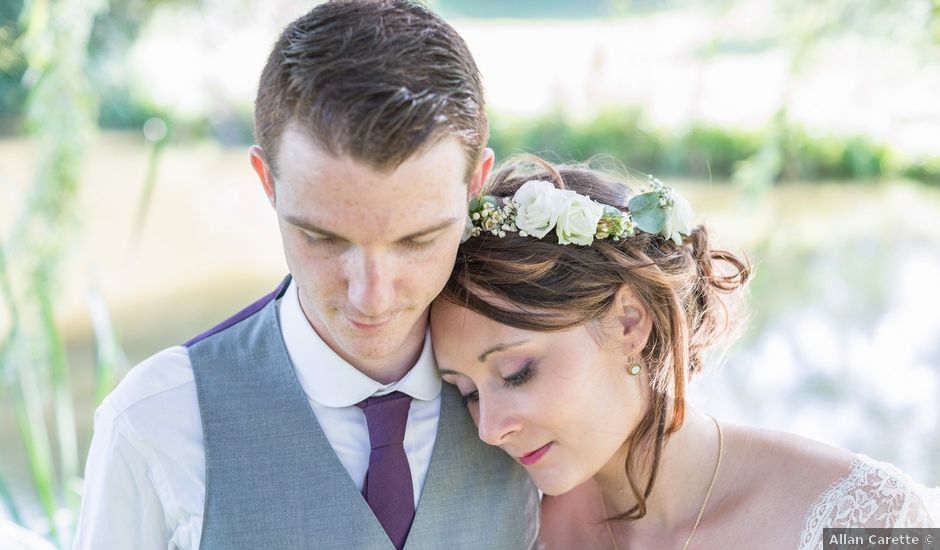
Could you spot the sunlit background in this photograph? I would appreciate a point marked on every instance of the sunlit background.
(805, 133)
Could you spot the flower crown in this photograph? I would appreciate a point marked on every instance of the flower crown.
(538, 207)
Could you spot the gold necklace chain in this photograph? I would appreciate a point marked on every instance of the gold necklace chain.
(701, 510)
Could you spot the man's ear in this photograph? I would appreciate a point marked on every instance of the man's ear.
(479, 176)
(633, 318)
(264, 172)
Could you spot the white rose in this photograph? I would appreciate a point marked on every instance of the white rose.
(679, 219)
(538, 205)
(577, 221)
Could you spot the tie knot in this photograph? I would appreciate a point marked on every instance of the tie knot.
(386, 417)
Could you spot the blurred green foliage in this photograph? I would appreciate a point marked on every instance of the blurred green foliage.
(781, 151)
(53, 53)
(701, 151)
(113, 33)
(924, 170)
(59, 116)
(705, 151)
(525, 9)
(12, 67)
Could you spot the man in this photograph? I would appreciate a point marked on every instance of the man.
(371, 132)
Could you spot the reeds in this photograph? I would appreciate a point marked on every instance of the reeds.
(33, 360)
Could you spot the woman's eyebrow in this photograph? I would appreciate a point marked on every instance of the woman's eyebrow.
(499, 347)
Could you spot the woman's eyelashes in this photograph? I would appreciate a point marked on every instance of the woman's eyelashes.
(514, 380)
(521, 376)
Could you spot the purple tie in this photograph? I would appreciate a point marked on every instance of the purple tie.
(388, 488)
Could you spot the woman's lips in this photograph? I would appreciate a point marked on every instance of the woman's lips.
(531, 458)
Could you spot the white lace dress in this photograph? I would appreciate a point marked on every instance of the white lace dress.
(873, 494)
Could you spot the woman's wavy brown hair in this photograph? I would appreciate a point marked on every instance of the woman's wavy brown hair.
(561, 287)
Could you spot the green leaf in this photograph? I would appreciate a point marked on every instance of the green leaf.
(646, 213)
(612, 212)
(644, 202)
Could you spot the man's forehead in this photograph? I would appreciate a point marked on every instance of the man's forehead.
(300, 150)
(340, 196)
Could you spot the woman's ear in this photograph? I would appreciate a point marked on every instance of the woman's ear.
(633, 317)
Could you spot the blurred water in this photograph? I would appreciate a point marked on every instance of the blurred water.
(844, 348)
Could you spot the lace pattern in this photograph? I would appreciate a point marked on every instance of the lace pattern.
(873, 494)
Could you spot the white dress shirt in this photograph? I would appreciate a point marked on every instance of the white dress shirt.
(145, 477)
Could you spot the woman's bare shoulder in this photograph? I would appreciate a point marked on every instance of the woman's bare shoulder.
(791, 469)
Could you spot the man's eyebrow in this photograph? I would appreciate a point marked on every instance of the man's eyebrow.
(310, 226)
(498, 348)
(436, 227)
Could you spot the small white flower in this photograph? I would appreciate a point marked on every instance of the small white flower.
(538, 205)
(577, 220)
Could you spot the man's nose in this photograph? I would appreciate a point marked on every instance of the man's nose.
(371, 284)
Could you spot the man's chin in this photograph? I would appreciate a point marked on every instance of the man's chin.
(368, 342)
(373, 347)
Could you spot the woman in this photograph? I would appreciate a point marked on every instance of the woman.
(576, 315)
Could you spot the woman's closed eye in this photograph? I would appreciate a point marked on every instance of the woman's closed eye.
(521, 376)
(514, 380)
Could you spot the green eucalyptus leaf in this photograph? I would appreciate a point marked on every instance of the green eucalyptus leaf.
(492, 200)
(650, 221)
(610, 211)
(644, 202)
(646, 213)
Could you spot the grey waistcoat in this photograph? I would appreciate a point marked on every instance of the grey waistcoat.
(274, 482)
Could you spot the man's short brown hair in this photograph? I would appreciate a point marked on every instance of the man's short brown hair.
(376, 80)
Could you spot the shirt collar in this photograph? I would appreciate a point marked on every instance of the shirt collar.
(329, 380)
